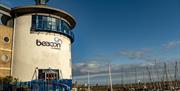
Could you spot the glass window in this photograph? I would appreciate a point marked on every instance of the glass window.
(39, 22)
(42, 1)
(34, 22)
(58, 25)
(54, 26)
(6, 39)
(0, 18)
(65, 26)
(4, 19)
(46, 23)
(49, 23)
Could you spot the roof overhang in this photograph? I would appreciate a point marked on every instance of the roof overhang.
(18, 11)
(5, 10)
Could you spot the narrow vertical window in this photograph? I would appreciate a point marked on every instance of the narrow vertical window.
(39, 22)
(34, 22)
(54, 26)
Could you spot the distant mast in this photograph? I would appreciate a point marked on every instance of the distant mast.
(41, 2)
(88, 82)
(110, 78)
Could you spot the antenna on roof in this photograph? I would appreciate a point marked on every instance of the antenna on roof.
(41, 2)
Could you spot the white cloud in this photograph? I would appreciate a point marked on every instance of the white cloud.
(135, 54)
(172, 44)
(128, 71)
(94, 67)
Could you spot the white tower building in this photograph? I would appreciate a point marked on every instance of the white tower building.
(42, 41)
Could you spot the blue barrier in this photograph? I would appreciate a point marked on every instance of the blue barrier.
(51, 85)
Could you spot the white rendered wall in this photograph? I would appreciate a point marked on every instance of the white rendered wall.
(28, 56)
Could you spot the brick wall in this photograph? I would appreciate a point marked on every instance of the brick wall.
(5, 50)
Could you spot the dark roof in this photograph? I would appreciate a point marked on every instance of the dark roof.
(18, 11)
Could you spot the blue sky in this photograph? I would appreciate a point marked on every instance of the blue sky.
(120, 31)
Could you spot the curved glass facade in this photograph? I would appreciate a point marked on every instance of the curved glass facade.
(51, 24)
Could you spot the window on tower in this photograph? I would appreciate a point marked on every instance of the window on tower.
(41, 2)
(51, 24)
(4, 19)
